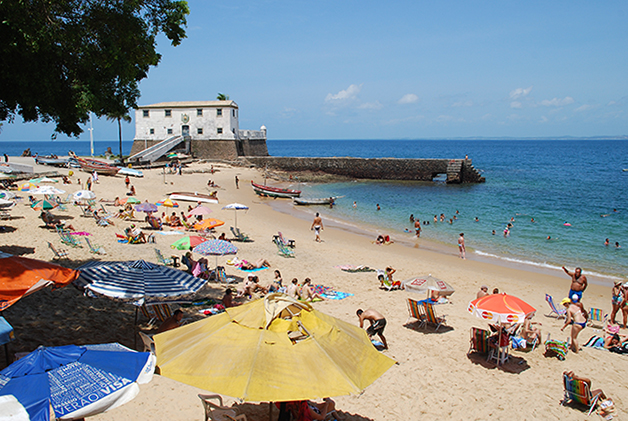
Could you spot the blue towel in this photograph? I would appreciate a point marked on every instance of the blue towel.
(336, 295)
(253, 270)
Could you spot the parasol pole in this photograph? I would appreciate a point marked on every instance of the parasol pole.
(236, 218)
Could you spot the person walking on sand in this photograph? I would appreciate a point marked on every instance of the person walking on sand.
(577, 317)
(237, 182)
(378, 323)
(462, 250)
(127, 181)
(317, 226)
(578, 283)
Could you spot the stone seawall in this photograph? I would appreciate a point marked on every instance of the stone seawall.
(457, 170)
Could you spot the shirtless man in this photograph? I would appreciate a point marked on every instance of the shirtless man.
(462, 250)
(227, 299)
(317, 226)
(378, 323)
(417, 227)
(578, 283)
(483, 292)
(171, 322)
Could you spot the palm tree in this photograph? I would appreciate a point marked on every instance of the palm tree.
(122, 115)
(222, 97)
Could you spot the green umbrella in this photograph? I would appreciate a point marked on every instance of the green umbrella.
(133, 200)
(188, 242)
(43, 205)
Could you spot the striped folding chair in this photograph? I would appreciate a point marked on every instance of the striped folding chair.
(578, 391)
(432, 318)
(596, 316)
(479, 341)
(156, 313)
(416, 311)
(559, 312)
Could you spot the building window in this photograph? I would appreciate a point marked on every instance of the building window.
(218, 112)
(199, 130)
(152, 131)
(219, 130)
(168, 113)
(169, 131)
(233, 112)
(146, 113)
(199, 112)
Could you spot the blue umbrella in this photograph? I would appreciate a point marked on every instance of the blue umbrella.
(78, 381)
(215, 248)
(146, 207)
(136, 280)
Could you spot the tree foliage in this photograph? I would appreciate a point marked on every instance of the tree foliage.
(222, 97)
(64, 58)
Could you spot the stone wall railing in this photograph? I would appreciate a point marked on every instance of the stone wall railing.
(252, 134)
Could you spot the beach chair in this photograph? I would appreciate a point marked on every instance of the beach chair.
(96, 249)
(216, 411)
(554, 347)
(559, 312)
(156, 313)
(221, 276)
(240, 236)
(149, 343)
(479, 341)
(279, 238)
(578, 391)
(86, 211)
(58, 253)
(385, 283)
(284, 251)
(432, 318)
(498, 346)
(67, 238)
(596, 316)
(416, 311)
(60, 204)
(155, 223)
(162, 260)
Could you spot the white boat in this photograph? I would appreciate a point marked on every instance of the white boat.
(314, 201)
(193, 197)
(131, 172)
(6, 204)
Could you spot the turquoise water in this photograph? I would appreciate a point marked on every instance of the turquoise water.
(551, 181)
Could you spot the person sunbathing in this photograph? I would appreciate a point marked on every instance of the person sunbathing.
(595, 392)
(528, 332)
(175, 221)
(135, 234)
(171, 322)
(260, 263)
(293, 289)
(227, 299)
(188, 261)
(250, 287)
(223, 237)
(307, 291)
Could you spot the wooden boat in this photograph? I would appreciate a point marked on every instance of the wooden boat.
(57, 162)
(274, 191)
(314, 201)
(194, 197)
(131, 172)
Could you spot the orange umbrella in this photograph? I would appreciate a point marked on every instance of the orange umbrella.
(20, 276)
(501, 308)
(208, 224)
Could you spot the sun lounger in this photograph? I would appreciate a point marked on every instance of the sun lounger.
(67, 238)
(578, 391)
(216, 411)
(58, 253)
(479, 341)
(416, 311)
(95, 248)
(559, 312)
(596, 316)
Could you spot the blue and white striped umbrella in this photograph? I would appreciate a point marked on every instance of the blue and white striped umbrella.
(215, 248)
(136, 280)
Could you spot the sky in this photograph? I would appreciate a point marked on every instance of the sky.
(397, 69)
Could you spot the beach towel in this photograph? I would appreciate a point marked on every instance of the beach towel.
(253, 270)
(169, 232)
(216, 309)
(596, 342)
(354, 269)
(336, 295)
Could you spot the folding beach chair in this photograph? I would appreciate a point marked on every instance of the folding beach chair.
(221, 276)
(240, 236)
(498, 346)
(162, 260)
(67, 238)
(479, 341)
(284, 251)
(279, 238)
(216, 411)
(416, 311)
(556, 348)
(156, 313)
(432, 318)
(58, 253)
(95, 248)
(559, 312)
(578, 391)
(596, 316)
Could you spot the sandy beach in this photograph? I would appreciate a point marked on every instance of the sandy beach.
(434, 378)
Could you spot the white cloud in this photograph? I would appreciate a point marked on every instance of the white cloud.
(347, 94)
(558, 102)
(408, 99)
(467, 103)
(543, 119)
(515, 104)
(520, 92)
(371, 106)
(487, 116)
(584, 107)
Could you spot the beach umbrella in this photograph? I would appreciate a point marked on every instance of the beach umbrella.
(423, 284)
(77, 381)
(188, 242)
(271, 350)
(47, 190)
(136, 280)
(208, 224)
(27, 187)
(84, 195)
(146, 207)
(5, 194)
(43, 205)
(501, 308)
(12, 410)
(132, 200)
(215, 248)
(236, 207)
(168, 203)
(200, 210)
(20, 276)
(43, 180)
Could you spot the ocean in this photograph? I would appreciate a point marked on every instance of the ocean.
(555, 182)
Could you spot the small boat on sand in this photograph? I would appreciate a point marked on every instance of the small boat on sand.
(194, 197)
(90, 165)
(56, 162)
(274, 191)
(131, 172)
(314, 201)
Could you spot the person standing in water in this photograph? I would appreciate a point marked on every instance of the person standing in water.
(462, 250)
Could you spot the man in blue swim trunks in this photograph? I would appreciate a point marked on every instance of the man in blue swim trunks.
(578, 282)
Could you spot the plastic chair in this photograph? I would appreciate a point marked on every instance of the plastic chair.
(217, 411)
(149, 343)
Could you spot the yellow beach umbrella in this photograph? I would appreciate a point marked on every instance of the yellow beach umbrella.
(274, 349)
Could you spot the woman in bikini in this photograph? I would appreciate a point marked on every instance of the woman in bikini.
(577, 317)
(617, 299)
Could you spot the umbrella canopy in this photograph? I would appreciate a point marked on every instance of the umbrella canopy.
(47, 190)
(5, 194)
(423, 284)
(136, 280)
(501, 308)
(132, 200)
(168, 203)
(273, 349)
(208, 224)
(43, 180)
(146, 207)
(20, 276)
(236, 207)
(200, 210)
(84, 195)
(27, 187)
(188, 242)
(43, 205)
(215, 248)
(78, 381)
